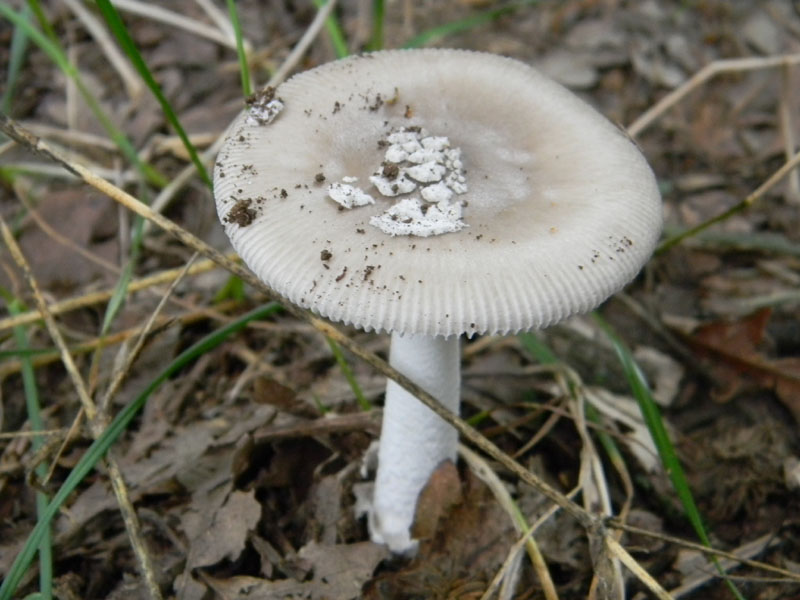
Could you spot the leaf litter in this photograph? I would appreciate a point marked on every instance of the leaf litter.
(250, 494)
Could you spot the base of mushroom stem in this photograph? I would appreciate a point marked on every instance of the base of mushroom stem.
(414, 440)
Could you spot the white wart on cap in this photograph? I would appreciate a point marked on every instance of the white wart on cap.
(557, 209)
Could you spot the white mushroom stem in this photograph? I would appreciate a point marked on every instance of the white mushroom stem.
(414, 440)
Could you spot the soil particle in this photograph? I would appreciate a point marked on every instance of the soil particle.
(319, 177)
(390, 170)
(325, 255)
(241, 213)
(368, 271)
(261, 98)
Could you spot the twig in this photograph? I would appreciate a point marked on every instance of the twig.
(787, 127)
(617, 524)
(300, 48)
(698, 578)
(52, 328)
(773, 180)
(10, 435)
(710, 70)
(517, 548)
(221, 20)
(97, 424)
(71, 136)
(92, 298)
(619, 552)
(133, 84)
(482, 470)
(12, 366)
(121, 373)
(157, 13)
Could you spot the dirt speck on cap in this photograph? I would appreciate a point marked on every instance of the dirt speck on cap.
(241, 213)
(261, 97)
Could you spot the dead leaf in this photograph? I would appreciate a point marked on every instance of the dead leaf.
(470, 542)
(339, 572)
(83, 220)
(226, 534)
(438, 497)
(738, 362)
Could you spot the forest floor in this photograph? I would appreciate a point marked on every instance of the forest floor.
(245, 468)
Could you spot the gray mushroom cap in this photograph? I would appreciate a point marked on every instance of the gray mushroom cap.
(561, 210)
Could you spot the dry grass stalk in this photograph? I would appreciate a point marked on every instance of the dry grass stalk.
(97, 421)
(733, 65)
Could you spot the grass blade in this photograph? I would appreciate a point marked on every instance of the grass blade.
(348, 374)
(669, 458)
(125, 40)
(97, 450)
(335, 32)
(15, 307)
(19, 45)
(431, 35)
(378, 14)
(244, 69)
(58, 56)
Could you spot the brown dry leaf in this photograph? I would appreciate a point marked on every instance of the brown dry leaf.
(734, 346)
(471, 541)
(226, 534)
(338, 572)
(438, 497)
(88, 221)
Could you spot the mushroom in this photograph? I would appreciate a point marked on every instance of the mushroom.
(433, 194)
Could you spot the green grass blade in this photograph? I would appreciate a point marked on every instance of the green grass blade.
(20, 353)
(97, 450)
(58, 56)
(542, 353)
(431, 35)
(244, 69)
(537, 348)
(35, 419)
(36, 7)
(335, 32)
(348, 374)
(669, 458)
(378, 16)
(19, 46)
(120, 293)
(125, 40)
(232, 289)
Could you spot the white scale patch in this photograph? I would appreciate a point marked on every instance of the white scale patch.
(348, 195)
(263, 113)
(413, 161)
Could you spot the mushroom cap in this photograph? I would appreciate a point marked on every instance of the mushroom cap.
(562, 209)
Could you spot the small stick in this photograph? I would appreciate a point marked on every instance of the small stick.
(787, 127)
(96, 422)
(132, 81)
(70, 304)
(750, 199)
(157, 13)
(713, 69)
